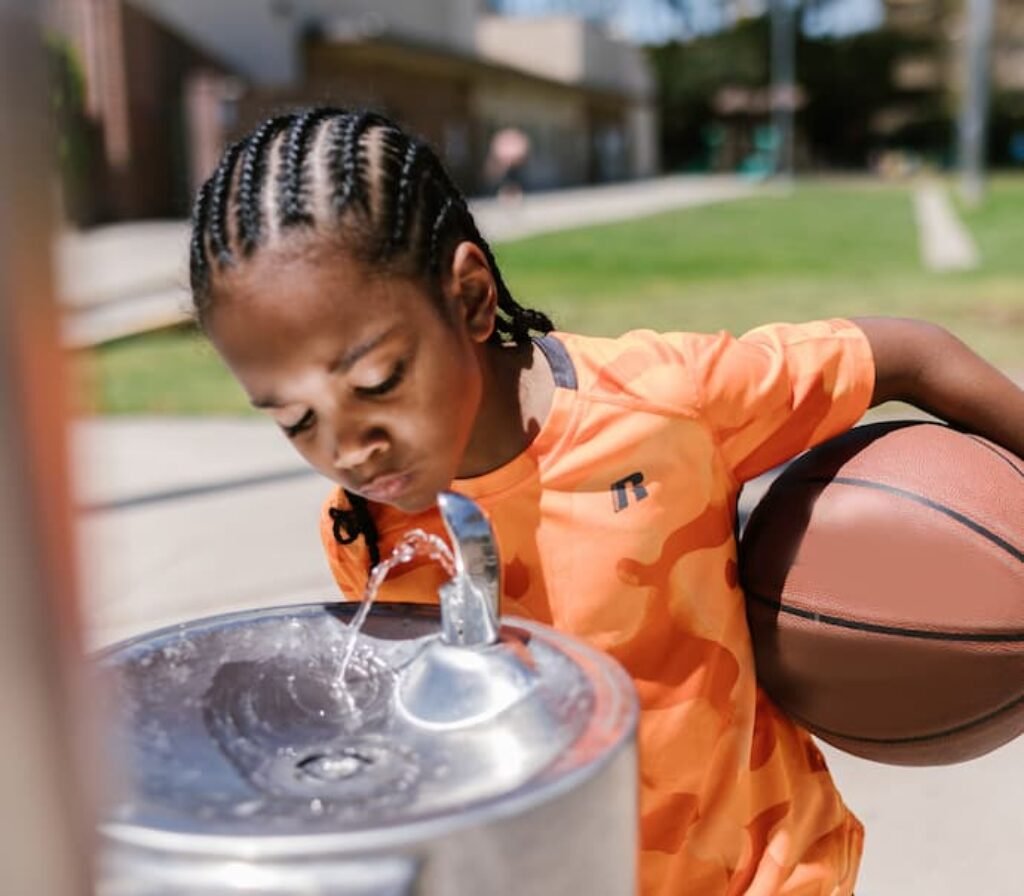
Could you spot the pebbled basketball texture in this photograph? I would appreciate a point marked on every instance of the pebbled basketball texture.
(884, 577)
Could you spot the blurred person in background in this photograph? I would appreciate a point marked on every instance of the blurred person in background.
(507, 158)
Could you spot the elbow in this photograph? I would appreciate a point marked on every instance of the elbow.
(908, 355)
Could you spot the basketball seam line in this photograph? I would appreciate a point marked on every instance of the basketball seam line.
(1008, 638)
(987, 534)
(917, 738)
(998, 454)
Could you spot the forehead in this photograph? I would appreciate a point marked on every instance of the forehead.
(281, 299)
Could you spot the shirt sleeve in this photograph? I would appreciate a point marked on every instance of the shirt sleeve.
(780, 389)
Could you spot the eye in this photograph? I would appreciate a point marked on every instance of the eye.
(303, 424)
(387, 385)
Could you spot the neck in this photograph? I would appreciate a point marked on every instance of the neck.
(518, 387)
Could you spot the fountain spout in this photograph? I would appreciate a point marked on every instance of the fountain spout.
(469, 601)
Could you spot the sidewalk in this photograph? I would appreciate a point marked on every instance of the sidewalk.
(187, 518)
(945, 244)
(129, 278)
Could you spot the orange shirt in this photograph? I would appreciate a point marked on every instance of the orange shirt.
(616, 525)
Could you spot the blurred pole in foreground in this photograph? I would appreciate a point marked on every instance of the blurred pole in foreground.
(45, 829)
(974, 102)
(783, 90)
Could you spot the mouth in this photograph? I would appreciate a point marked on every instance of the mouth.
(386, 488)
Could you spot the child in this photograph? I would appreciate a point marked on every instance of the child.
(340, 275)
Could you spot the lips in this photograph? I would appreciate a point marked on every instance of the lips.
(387, 487)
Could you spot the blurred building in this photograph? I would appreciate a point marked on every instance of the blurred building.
(167, 82)
(124, 120)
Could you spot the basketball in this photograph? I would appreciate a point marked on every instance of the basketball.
(884, 582)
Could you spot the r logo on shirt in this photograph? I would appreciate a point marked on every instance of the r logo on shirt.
(620, 490)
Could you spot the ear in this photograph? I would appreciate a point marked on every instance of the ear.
(471, 290)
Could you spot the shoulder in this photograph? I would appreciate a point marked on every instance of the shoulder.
(720, 376)
(645, 367)
(650, 359)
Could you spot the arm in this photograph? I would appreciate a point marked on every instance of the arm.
(927, 366)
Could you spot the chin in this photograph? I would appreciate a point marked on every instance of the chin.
(417, 502)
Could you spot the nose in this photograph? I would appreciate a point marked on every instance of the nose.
(357, 452)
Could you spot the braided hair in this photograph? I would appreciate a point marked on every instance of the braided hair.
(359, 176)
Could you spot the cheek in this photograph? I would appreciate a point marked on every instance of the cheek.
(449, 406)
(315, 454)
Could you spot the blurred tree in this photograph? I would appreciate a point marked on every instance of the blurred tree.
(854, 105)
(1006, 130)
(690, 74)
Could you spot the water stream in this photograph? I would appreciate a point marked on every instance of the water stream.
(415, 543)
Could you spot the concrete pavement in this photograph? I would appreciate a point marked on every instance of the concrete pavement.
(945, 244)
(187, 518)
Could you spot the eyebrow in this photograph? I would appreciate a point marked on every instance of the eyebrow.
(344, 363)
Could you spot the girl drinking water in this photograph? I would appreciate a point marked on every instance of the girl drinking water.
(338, 271)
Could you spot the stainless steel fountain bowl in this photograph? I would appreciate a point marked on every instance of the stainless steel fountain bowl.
(247, 767)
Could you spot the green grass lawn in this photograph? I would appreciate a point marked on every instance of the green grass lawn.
(823, 251)
(172, 371)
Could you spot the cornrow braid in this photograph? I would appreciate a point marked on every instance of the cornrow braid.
(436, 231)
(219, 203)
(414, 155)
(345, 158)
(390, 200)
(198, 271)
(250, 181)
(292, 179)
